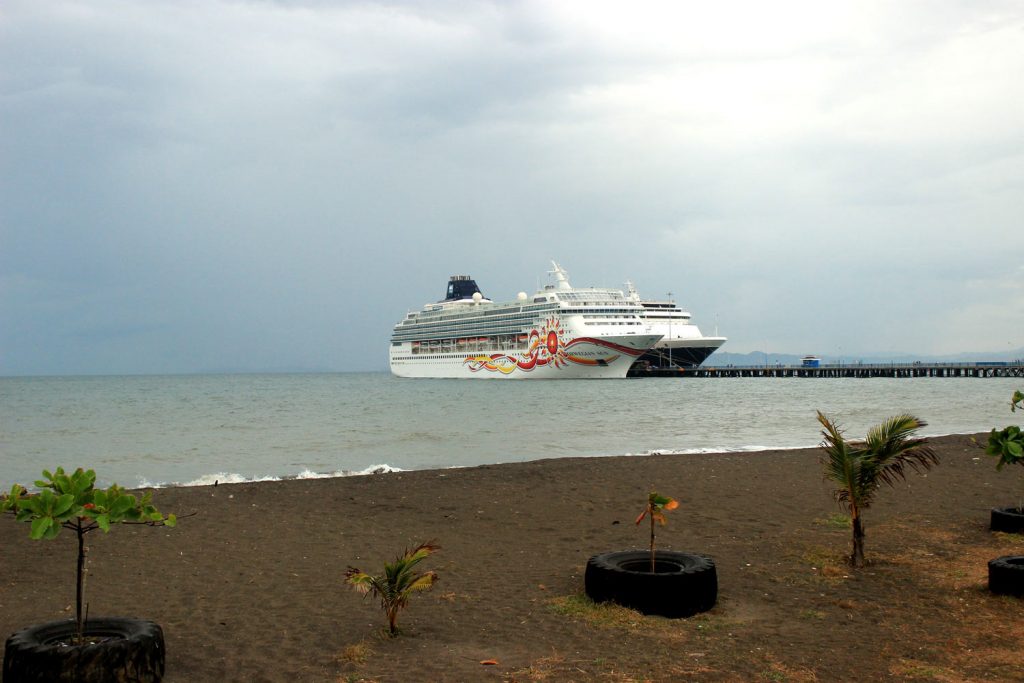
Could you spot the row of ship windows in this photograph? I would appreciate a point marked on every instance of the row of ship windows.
(475, 320)
(469, 326)
(446, 330)
(469, 348)
(512, 315)
(408, 337)
(461, 357)
(612, 296)
(519, 310)
(500, 327)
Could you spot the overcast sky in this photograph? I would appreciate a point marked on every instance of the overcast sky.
(198, 186)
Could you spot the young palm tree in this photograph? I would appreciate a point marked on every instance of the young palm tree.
(398, 582)
(860, 467)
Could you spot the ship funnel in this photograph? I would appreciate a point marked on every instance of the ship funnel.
(462, 287)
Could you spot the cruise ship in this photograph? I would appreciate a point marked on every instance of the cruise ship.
(561, 332)
(682, 344)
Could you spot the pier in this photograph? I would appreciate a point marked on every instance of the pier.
(1009, 369)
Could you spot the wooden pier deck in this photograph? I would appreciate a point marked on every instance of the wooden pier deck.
(1015, 369)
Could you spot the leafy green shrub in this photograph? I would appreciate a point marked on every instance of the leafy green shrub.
(1008, 444)
(73, 502)
(398, 582)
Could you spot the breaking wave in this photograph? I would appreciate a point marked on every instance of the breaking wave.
(234, 478)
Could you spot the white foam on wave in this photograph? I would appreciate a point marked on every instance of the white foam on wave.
(717, 449)
(234, 478)
(383, 468)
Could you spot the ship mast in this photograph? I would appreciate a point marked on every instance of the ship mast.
(631, 292)
(561, 276)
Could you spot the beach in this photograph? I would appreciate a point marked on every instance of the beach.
(251, 586)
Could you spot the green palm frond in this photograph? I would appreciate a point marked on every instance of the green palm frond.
(423, 582)
(892, 448)
(843, 464)
(361, 581)
(860, 467)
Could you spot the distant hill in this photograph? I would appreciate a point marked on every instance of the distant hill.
(723, 358)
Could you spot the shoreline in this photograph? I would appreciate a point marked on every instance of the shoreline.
(251, 587)
(227, 478)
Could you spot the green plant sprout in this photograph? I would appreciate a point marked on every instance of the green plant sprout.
(1008, 444)
(655, 505)
(72, 502)
(398, 582)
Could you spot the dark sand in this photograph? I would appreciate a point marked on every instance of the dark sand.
(250, 589)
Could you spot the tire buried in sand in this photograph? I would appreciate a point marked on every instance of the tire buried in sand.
(126, 650)
(1010, 520)
(1006, 575)
(682, 584)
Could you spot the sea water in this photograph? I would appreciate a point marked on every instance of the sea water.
(193, 430)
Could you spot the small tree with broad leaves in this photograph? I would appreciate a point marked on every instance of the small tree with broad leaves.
(71, 501)
(656, 504)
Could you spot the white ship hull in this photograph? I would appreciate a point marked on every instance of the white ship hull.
(607, 357)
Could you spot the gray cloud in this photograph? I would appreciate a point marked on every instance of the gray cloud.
(256, 185)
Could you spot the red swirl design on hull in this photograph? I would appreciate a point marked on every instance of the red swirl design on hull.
(547, 347)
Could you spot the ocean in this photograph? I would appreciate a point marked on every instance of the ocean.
(198, 429)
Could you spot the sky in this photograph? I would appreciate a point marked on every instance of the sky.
(207, 186)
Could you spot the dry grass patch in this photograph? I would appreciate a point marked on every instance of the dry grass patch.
(812, 614)
(945, 559)
(603, 615)
(612, 616)
(910, 669)
(698, 647)
(837, 521)
(827, 564)
(357, 653)
(776, 670)
(953, 568)
(558, 668)
(1009, 541)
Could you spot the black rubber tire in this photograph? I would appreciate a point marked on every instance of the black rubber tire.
(682, 584)
(1006, 575)
(134, 653)
(1010, 520)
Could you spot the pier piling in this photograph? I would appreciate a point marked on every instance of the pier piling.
(900, 370)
